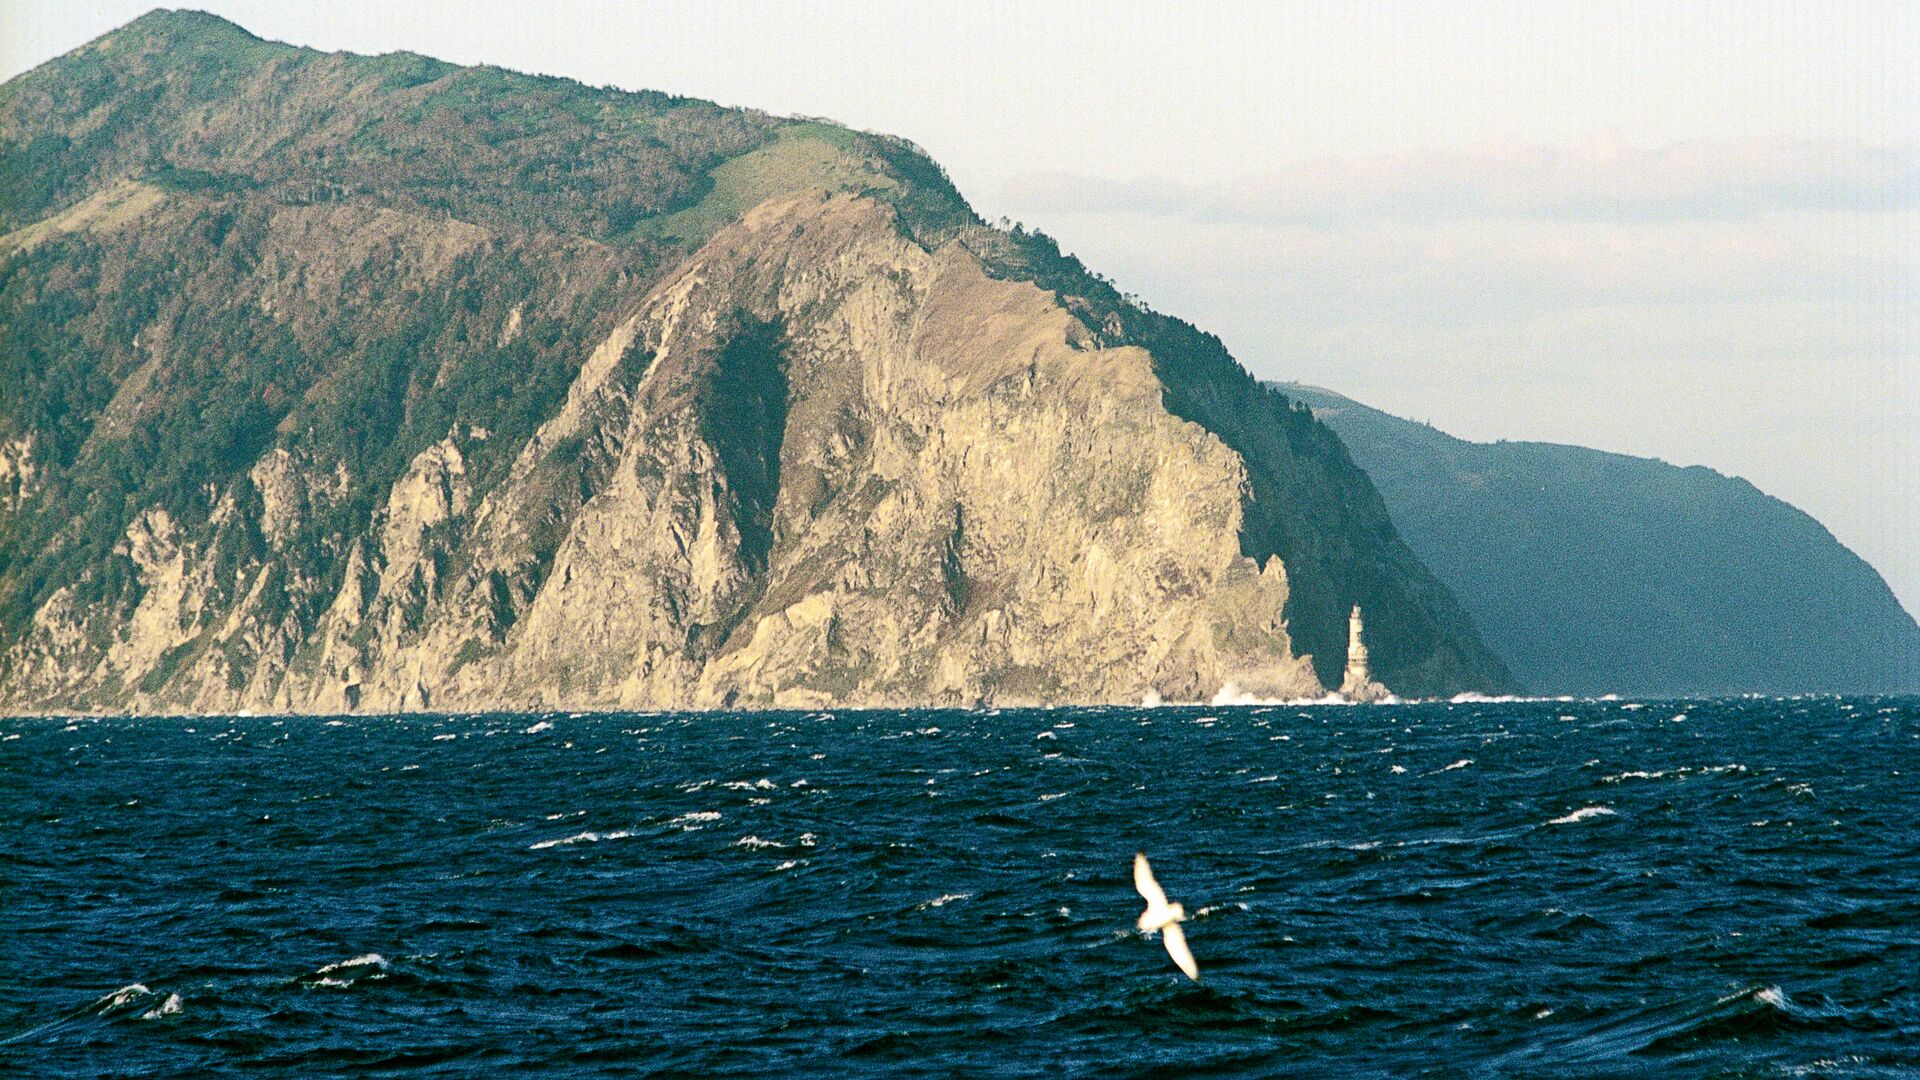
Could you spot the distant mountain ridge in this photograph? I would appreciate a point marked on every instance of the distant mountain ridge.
(343, 382)
(1591, 572)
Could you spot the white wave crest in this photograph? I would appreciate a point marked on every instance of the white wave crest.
(372, 959)
(544, 725)
(1583, 814)
(169, 1007)
(1231, 694)
(762, 784)
(588, 837)
(128, 993)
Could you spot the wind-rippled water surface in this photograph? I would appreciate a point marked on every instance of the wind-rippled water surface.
(1725, 888)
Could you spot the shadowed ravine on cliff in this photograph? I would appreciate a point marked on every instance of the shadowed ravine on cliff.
(746, 421)
(351, 382)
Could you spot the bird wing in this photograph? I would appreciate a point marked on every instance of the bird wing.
(1143, 881)
(1176, 939)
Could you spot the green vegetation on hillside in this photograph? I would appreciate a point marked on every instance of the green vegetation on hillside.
(392, 363)
(215, 248)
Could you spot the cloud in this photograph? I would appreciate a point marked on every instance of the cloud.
(1600, 180)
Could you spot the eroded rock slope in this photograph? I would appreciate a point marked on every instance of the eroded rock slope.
(788, 427)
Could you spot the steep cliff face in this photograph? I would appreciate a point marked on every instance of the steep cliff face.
(852, 470)
(790, 428)
(1600, 573)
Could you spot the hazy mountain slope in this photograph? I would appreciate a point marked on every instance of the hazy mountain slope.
(1594, 572)
(330, 380)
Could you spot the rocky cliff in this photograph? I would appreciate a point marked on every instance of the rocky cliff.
(1600, 573)
(341, 382)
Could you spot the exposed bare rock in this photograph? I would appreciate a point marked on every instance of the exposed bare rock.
(858, 471)
(819, 464)
(376, 383)
(17, 471)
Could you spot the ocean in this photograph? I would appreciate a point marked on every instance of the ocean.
(1721, 888)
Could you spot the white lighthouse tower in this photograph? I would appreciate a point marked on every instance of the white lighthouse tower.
(1358, 684)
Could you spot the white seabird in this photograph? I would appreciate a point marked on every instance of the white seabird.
(1163, 917)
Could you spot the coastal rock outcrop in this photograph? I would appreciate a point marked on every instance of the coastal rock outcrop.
(850, 470)
(769, 418)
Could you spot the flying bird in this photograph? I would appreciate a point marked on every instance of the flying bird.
(1163, 917)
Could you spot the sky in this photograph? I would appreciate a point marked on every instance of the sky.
(1680, 230)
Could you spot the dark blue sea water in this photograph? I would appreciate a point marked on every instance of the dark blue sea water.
(1721, 888)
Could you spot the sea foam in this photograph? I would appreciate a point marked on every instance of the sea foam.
(372, 959)
(588, 837)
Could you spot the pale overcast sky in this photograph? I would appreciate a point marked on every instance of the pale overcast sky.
(1689, 231)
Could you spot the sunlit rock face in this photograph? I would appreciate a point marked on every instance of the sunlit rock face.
(859, 471)
(815, 437)
(829, 466)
